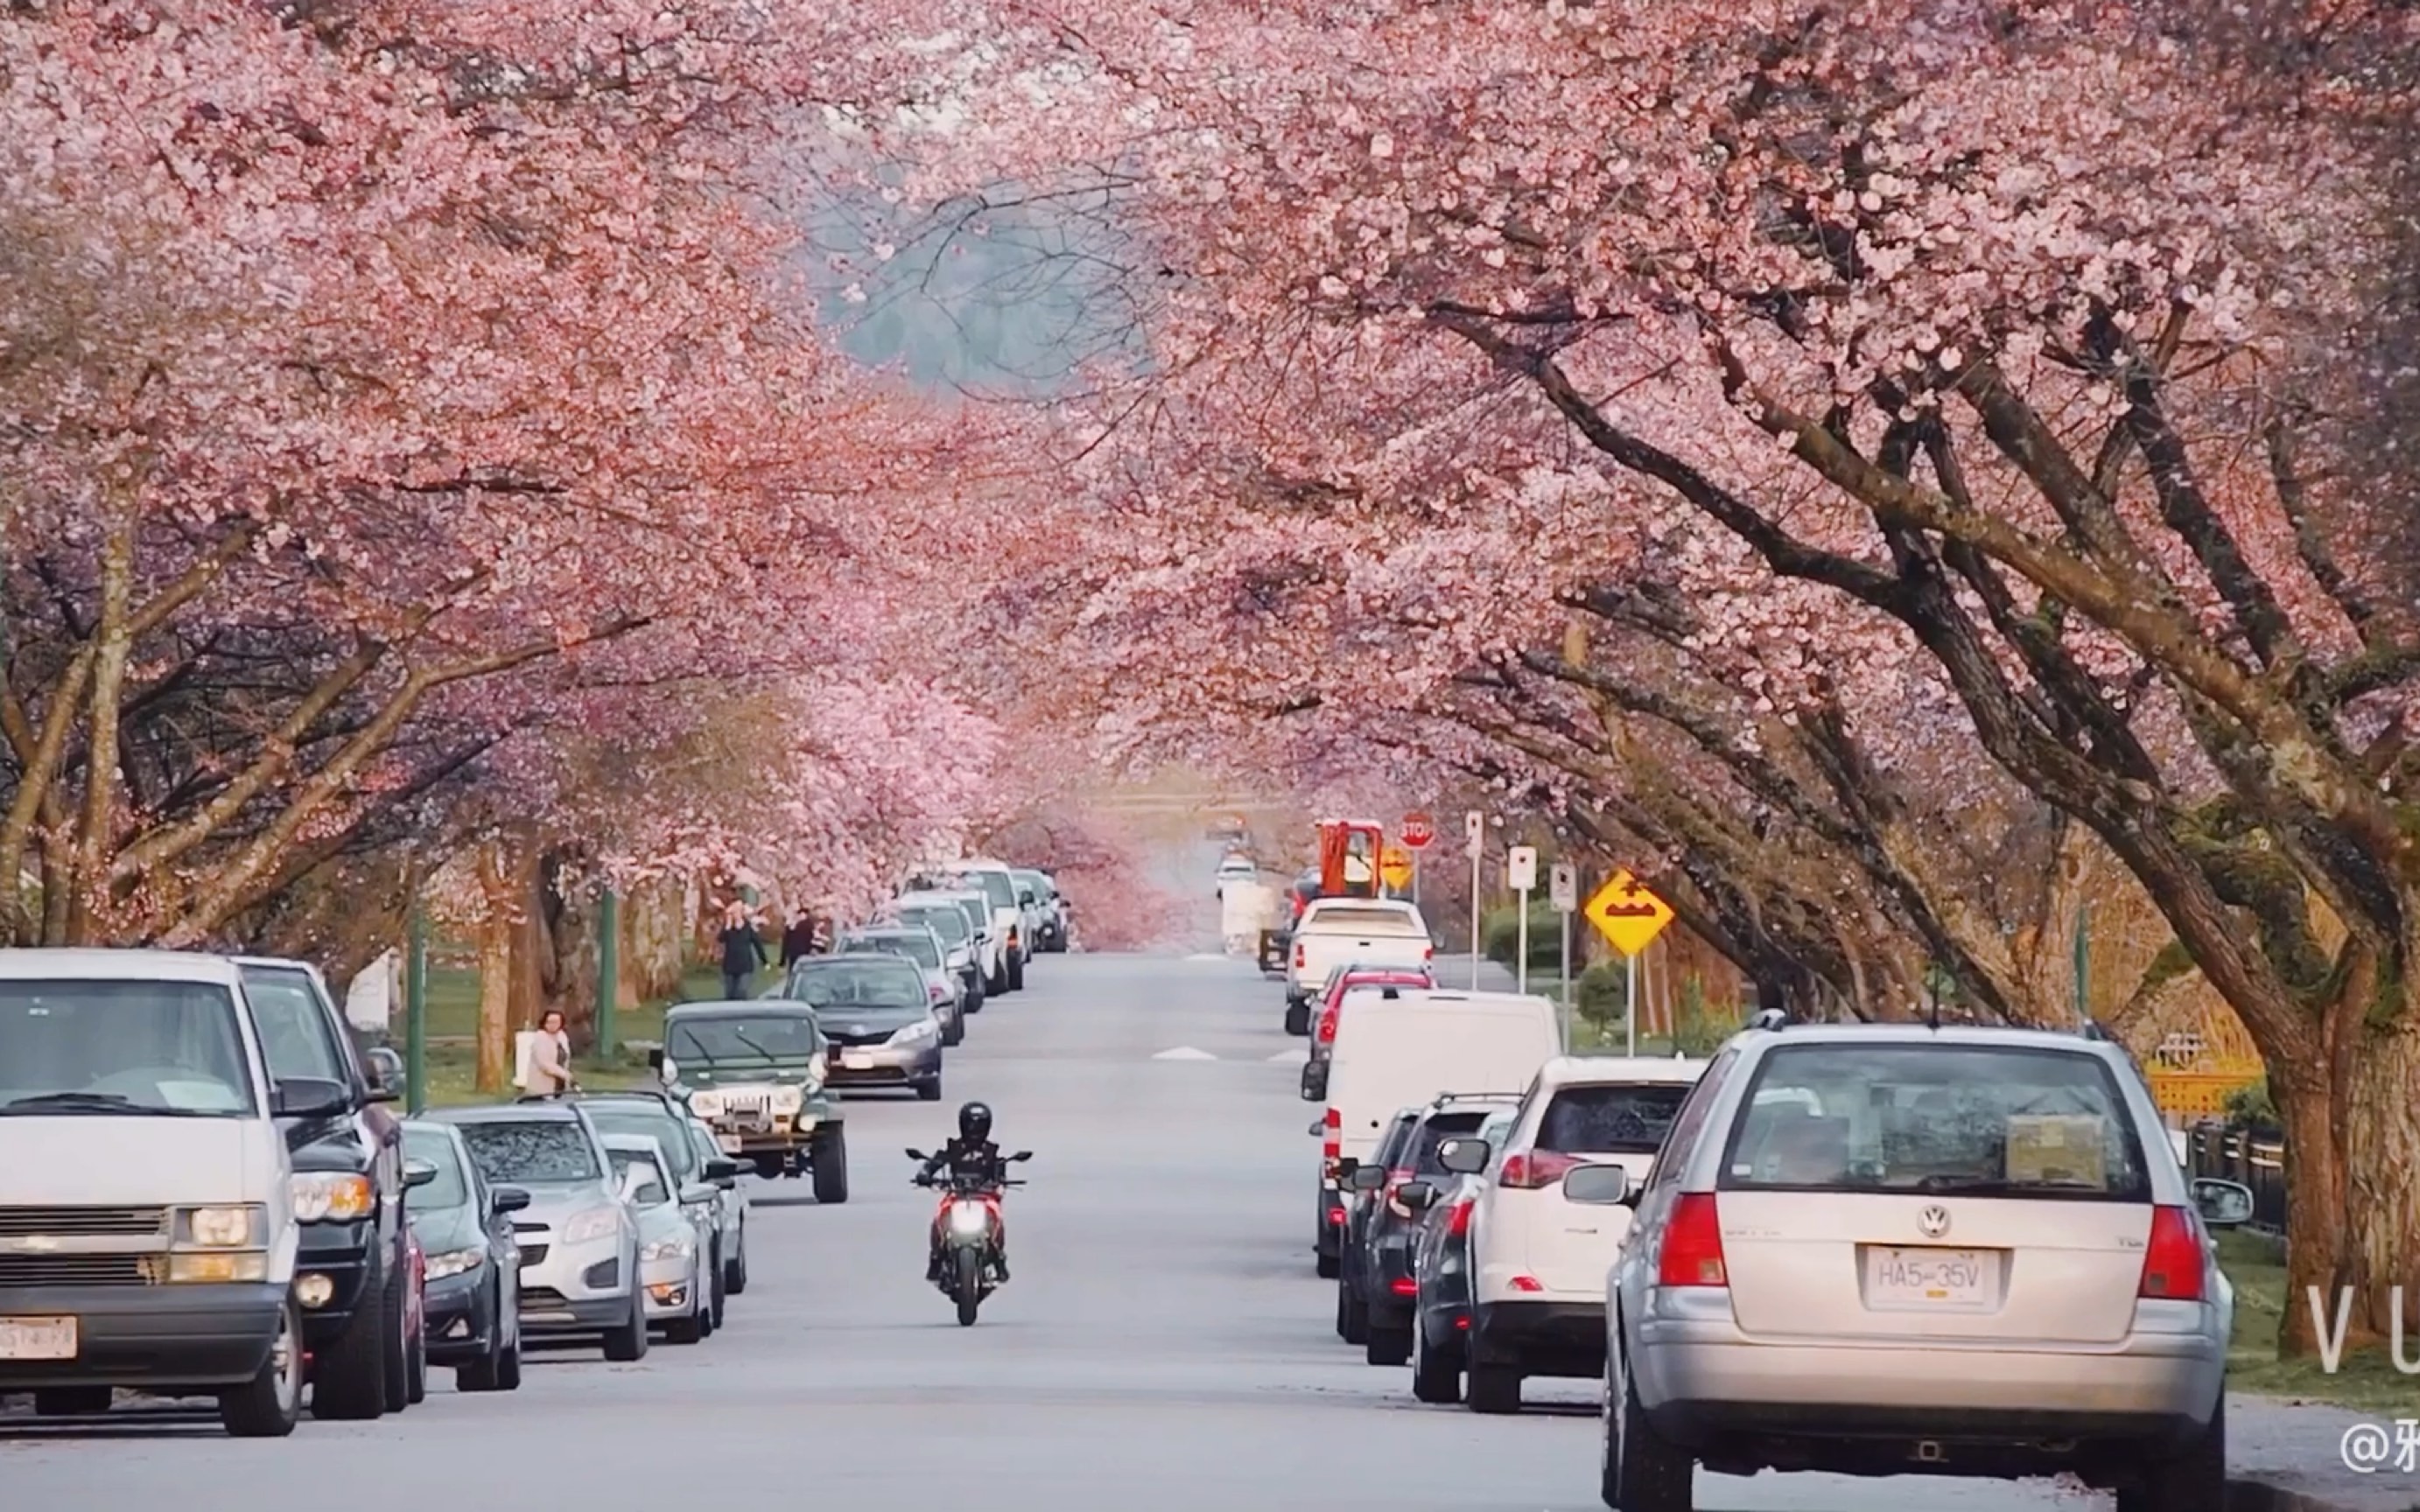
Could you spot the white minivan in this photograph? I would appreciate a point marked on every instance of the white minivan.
(146, 1225)
(1430, 1041)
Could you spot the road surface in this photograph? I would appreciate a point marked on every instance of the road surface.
(1164, 1342)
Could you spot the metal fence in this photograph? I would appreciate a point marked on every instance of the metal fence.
(2255, 1157)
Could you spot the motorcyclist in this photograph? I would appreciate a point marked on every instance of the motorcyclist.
(973, 1156)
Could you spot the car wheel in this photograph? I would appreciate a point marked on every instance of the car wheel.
(348, 1377)
(416, 1389)
(1356, 1316)
(399, 1353)
(1389, 1346)
(696, 1326)
(1016, 974)
(1642, 1471)
(508, 1367)
(1298, 1017)
(830, 1155)
(1327, 1266)
(735, 1274)
(2194, 1478)
(270, 1403)
(73, 1401)
(1494, 1389)
(628, 1342)
(929, 1091)
(714, 1294)
(1435, 1377)
(957, 1033)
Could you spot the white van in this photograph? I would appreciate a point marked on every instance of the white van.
(1430, 1041)
(147, 1223)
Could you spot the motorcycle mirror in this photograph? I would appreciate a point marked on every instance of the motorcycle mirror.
(914, 1153)
(1022, 1154)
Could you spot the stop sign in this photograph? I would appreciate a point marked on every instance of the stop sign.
(1419, 830)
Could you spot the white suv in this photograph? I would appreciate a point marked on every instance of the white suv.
(1540, 1241)
(1885, 1249)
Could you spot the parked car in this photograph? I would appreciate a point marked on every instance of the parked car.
(1345, 979)
(1377, 1288)
(1539, 1246)
(1334, 932)
(875, 1011)
(962, 949)
(731, 1204)
(347, 1183)
(152, 1056)
(1359, 1198)
(990, 942)
(1978, 1240)
(673, 1238)
(756, 1073)
(663, 1117)
(922, 946)
(465, 1225)
(1051, 936)
(999, 888)
(1441, 1262)
(579, 1241)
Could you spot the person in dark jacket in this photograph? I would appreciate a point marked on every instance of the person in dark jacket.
(743, 953)
(799, 940)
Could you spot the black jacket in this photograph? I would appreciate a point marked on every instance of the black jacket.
(797, 942)
(742, 951)
(978, 1159)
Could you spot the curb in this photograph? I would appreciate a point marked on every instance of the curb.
(2260, 1496)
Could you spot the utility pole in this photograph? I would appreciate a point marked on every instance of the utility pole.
(415, 1012)
(608, 968)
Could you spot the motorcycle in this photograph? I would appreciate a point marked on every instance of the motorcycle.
(969, 1224)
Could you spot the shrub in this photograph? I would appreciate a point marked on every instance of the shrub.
(1501, 929)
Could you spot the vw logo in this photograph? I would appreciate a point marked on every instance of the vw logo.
(1934, 1222)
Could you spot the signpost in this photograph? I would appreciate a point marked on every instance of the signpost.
(1521, 875)
(1474, 833)
(1629, 916)
(1563, 886)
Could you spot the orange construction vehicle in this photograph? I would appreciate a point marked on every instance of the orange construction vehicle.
(1348, 858)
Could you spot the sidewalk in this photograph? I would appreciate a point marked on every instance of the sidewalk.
(2295, 1455)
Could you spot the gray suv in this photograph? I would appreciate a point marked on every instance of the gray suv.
(1888, 1249)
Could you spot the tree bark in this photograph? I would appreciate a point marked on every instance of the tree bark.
(497, 924)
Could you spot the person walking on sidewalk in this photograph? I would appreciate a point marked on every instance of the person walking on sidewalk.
(743, 953)
(799, 940)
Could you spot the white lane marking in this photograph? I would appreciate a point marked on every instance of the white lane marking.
(1298, 1057)
(1185, 1052)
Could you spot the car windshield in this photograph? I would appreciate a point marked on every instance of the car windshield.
(1398, 1136)
(1975, 1119)
(763, 1038)
(649, 1119)
(916, 948)
(1611, 1120)
(164, 1048)
(942, 919)
(532, 1151)
(295, 1036)
(1035, 883)
(865, 981)
(978, 915)
(640, 1180)
(994, 885)
(452, 1187)
(1435, 1131)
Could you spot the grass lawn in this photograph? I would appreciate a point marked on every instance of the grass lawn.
(454, 1023)
(2367, 1379)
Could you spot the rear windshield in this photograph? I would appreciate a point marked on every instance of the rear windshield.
(1611, 1120)
(531, 1153)
(941, 918)
(1439, 1128)
(1333, 920)
(1399, 1134)
(995, 885)
(1986, 1120)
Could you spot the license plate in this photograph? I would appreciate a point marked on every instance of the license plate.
(730, 1142)
(38, 1338)
(856, 1060)
(1952, 1280)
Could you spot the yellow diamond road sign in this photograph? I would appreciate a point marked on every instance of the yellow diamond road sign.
(1395, 867)
(1626, 914)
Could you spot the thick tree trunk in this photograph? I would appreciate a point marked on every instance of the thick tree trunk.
(497, 925)
(655, 938)
(2378, 1122)
(564, 948)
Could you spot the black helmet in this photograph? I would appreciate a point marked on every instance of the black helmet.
(974, 1122)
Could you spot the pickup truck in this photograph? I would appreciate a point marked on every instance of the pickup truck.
(1338, 932)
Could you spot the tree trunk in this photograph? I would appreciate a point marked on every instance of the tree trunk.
(2377, 1171)
(563, 935)
(497, 925)
(655, 931)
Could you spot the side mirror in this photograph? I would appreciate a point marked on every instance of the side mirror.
(699, 1191)
(417, 1173)
(914, 1154)
(1367, 1177)
(720, 1170)
(1417, 1196)
(656, 1058)
(310, 1097)
(385, 1069)
(1314, 1082)
(1464, 1157)
(1599, 1185)
(1318, 1127)
(2222, 1204)
(507, 1200)
(1022, 1154)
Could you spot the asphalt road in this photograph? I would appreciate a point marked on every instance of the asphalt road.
(1164, 1339)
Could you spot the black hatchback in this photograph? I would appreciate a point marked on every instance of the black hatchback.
(465, 1229)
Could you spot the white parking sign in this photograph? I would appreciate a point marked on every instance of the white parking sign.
(1521, 867)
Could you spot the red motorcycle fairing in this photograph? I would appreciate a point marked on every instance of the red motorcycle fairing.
(991, 1204)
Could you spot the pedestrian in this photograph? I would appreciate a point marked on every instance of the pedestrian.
(799, 940)
(551, 1057)
(743, 953)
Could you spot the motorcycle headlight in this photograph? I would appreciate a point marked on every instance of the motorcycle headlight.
(786, 1098)
(332, 1197)
(917, 1033)
(677, 1247)
(969, 1218)
(705, 1102)
(595, 1224)
(454, 1262)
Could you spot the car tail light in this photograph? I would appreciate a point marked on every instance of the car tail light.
(2174, 1259)
(1335, 1146)
(1693, 1244)
(1457, 1219)
(1336, 1216)
(1403, 1285)
(1428, 952)
(1532, 1170)
(1011, 936)
(1462, 1322)
(1327, 1027)
(1526, 1283)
